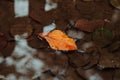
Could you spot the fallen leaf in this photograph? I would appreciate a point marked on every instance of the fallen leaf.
(89, 26)
(59, 40)
(102, 36)
(108, 60)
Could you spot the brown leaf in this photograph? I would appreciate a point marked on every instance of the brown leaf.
(88, 26)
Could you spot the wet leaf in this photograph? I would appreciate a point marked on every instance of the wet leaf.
(103, 33)
(103, 36)
(94, 58)
(78, 59)
(19, 29)
(108, 60)
(89, 26)
(3, 41)
(59, 40)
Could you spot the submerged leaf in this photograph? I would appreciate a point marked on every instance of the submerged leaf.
(89, 26)
(102, 36)
(105, 33)
(59, 40)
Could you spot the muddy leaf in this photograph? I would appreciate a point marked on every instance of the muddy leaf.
(59, 41)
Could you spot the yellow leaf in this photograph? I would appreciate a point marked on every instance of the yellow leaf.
(59, 40)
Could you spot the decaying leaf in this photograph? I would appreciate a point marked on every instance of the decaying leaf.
(102, 36)
(88, 26)
(59, 40)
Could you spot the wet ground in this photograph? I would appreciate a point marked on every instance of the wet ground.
(101, 61)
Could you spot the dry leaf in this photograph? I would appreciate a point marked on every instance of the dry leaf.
(59, 41)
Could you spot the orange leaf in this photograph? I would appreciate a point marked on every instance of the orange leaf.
(59, 40)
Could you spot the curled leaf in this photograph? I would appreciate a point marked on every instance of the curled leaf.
(59, 41)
